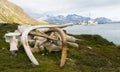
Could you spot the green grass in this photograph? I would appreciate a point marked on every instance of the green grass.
(103, 57)
(4, 28)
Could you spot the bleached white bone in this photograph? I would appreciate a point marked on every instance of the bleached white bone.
(11, 38)
(24, 40)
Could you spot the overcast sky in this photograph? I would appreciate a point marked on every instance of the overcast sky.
(92, 8)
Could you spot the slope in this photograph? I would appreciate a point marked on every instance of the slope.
(12, 13)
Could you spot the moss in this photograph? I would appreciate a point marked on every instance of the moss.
(118, 47)
(91, 61)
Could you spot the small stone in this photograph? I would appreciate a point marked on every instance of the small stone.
(3, 48)
(42, 54)
(89, 47)
(69, 59)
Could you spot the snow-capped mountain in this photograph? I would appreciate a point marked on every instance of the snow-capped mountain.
(60, 19)
(103, 20)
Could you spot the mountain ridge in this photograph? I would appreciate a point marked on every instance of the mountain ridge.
(60, 19)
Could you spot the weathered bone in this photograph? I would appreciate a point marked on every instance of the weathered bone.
(39, 41)
(11, 38)
(24, 40)
(35, 50)
(64, 45)
(39, 33)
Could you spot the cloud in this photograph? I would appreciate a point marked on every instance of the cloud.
(55, 5)
(97, 7)
(42, 5)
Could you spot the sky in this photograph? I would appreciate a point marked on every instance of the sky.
(92, 8)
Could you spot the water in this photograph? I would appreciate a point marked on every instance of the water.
(109, 31)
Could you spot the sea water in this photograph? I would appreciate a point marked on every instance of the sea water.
(109, 31)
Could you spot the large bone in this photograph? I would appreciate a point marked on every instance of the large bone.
(64, 45)
(12, 39)
(24, 40)
(39, 33)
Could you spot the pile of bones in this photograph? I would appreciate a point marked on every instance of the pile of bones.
(37, 38)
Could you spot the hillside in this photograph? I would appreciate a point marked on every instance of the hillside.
(95, 54)
(43, 22)
(12, 13)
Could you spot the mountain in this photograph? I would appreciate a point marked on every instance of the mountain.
(76, 18)
(64, 19)
(103, 20)
(12, 13)
(72, 18)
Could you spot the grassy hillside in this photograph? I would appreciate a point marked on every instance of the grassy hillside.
(43, 22)
(12, 13)
(95, 54)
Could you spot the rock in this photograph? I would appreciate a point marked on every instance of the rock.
(89, 47)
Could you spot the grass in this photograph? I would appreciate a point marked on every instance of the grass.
(103, 57)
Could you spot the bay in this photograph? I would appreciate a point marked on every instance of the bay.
(109, 31)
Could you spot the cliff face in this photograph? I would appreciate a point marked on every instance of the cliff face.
(12, 13)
